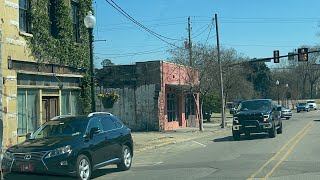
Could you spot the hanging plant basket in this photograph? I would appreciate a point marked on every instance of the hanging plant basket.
(108, 99)
(107, 103)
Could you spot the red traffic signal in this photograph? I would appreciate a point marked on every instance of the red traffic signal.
(276, 58)
(303, 54)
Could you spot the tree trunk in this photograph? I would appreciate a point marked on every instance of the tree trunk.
(201, 117)
(199, 114)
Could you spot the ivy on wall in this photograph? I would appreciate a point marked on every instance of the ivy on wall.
(61, 49)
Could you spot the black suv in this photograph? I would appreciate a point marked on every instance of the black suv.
(256, 116)
(73, 145)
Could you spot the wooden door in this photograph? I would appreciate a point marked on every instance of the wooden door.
(50, 108)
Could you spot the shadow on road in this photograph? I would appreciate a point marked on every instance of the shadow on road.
(13, 176)
(102, 172)
(243, 138)
(317, 120)
(96, 174)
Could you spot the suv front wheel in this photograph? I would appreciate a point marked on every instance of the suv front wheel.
(83, 167)
(126, 159)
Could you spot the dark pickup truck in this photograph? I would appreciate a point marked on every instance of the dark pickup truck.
(256, 116)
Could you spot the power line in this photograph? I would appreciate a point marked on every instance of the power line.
(267, 22)
(261, 45)
(207, 27)
(209, 32)
(130, 53)
(139, 24)
(137, 54)
(273, 18)
(119, 9)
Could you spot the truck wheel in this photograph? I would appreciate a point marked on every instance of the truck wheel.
(236, 135)
(279, 130)
(273, 132)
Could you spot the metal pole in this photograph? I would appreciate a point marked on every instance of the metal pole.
(93, 94)
(223, 122)
(278, 94)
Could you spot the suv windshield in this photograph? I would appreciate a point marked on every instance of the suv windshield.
(310, 101)
(60, 128)
(255, 105)
(302, 104)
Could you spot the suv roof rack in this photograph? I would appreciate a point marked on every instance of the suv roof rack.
(61, 116)
(99, 113)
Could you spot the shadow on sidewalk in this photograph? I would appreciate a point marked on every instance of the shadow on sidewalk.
(243, 138)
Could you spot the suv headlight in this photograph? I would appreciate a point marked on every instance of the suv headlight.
(59, 151)
(8, 155)
(265, 118)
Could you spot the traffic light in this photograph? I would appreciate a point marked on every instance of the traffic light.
(303, 54)
(276, 58)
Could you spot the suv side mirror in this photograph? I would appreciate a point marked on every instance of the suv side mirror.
(94, 130)
(278, 108)
(28, 136)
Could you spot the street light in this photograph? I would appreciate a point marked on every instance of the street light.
(89, 22)
(277, 83)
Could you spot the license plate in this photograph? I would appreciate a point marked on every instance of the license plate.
(26, 167)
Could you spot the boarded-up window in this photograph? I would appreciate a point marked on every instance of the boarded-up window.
(172, 107)
(189, 105)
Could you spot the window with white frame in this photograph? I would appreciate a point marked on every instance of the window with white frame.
(69, 102)
(28, 111)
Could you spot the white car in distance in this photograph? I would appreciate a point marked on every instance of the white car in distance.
(312, 104)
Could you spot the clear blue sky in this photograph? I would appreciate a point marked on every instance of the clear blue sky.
(254, 28)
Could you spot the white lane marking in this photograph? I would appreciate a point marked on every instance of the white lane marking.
(199, 143)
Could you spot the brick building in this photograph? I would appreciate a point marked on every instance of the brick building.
(154, 95)
(32, 94)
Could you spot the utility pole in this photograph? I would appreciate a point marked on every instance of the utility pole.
(191, 64)
(189, 42)
(223, 119)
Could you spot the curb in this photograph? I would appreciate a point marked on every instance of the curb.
(180, 141)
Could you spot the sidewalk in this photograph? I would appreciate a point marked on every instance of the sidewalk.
(151, 140)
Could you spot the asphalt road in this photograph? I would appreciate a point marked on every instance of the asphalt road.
(291, 155)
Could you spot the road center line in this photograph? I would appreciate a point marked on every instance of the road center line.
(278, 152)
(199, 143)
(287, 153)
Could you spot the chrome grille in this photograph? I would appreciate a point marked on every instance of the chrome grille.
(258, 117)
(29, 157)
